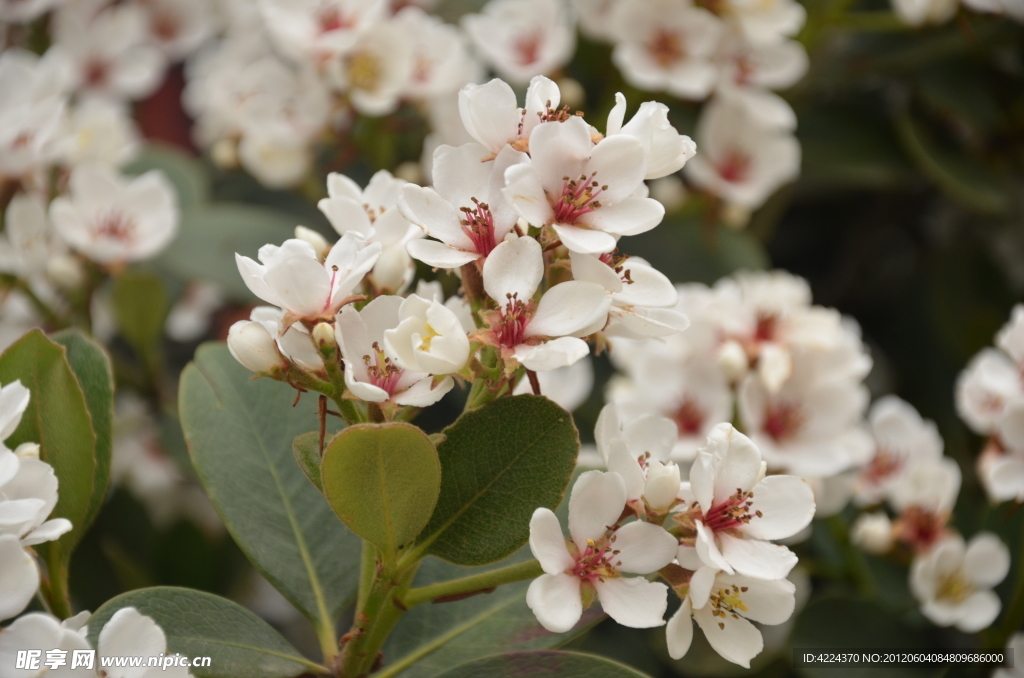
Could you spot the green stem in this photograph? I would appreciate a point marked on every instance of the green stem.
(477, 583)
(367, 568)
(380, 613)
(857, 566)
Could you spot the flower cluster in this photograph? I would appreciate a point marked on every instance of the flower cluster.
(922, 12)
(709, 539)
(529, 214)
(28, 493)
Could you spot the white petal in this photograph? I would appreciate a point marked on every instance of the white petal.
(19, 574)
(757, 559)
(130, 633)
(708, 551)
(514, 267)
(631, 216)
(13, 513)
(633, 602)
(525, 193)
(595, 503)
(551, 355)
(987, 560)
(301, 285)
(8, 464)
(701, 583)
(620, 165)
(439, 255)
(736, 639)
(620, 461)
(643, 548)
(14, 398)
(425, 208)
(586, 241)
(423, 393)
(48, 531)
(679, 631)
(567, 308)
(740, 466)
(489, 113)
(688, 559)
(767, 602)
(547, 542)
(978, 611)
(786, 504)
(555, 600)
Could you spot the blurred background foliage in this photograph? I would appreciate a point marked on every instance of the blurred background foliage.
(907, 217)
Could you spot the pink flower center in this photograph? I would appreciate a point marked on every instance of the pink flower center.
(782, 421)
(383, 373)
(594, 563)
(478, 225)
(96, 72)
(689, 417)
(578, 197)
(767, 327)
(514, 319)
(665, 47)
(732, 513)
(734, 167)
(165, 26)
(115, 225)
(527, 47)
(885, 464)
(331, 19)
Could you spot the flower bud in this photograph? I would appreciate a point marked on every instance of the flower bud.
(252, 345)
(669, 191)
(872, 532)
(732, 360)
(318, 242)
(323, 337)
(662, 485)
(572, 93)
(66, 271)
(225, 154)
(27, 451)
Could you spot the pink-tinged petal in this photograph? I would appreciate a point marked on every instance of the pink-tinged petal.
(514, 267)
(560, 149)
(701, 583)
(595, 504)
(633, 602)
(301, 285)
(758, 559)
(523, 190)
(585, 240)
(978, 611)
(567, 308)
(679, 630)
(643, 548)
(736, 639)
(708, 551)
(555, 600)
(551, 355)
(786, 504)
(439, 255)
(619, 164)
(987, 560)
(435, 215)
(547, 542)
(490, 113)
(767, 602)
(620, 461)
(20, 575)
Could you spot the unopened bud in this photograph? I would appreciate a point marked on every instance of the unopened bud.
(27, 451)
(318, 242)
(732, 360)
(225, 154)
(872, 532)
(410, 171)
(662, 486)
(66, 271)
(669, 191)
(735, 216)
(572, 93)
(323, 337)
(252, 345)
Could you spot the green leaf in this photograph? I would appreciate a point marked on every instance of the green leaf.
(189, 176)
(211, 235)
(499, 464)
(306, 448)
(239, 432)
(58, 419)
(433, 638)
(140, 304)
(383, 481)
(201, 624)
(543, 664)
(91, 366)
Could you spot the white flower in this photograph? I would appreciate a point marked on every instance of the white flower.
(666, 45)
(641, 296)
(179, 27)
(902, 439)
(375, 72)
(441, 62)
(593, 562)
(292, 277)
(747, 71)
(930, 484)
(371, 373)
(374, 214)
(872, 532)
(42, 631)
(595, 18)
(99, 130)
(1001, 472)
(294, 341)
(465, 210)
(109, 49)
(741, 161)
(638, 450)
(111, 219)
(723, 606)
(953, 582)
(428, 338)
(491, 116)
(456, 304)
(737, 510)
(318, 29)
(28, 244)
(538, 335)
(584, 190)
(34, 98)
(523, 38)
(766, 21)
(666, 149)
(920, 12)
(24, 11)
(990, 391)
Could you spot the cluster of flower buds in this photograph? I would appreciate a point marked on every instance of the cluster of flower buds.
(709, 539)
(529, 215)
(28, 493)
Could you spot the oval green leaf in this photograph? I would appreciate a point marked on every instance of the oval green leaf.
(498, 464)
(189, 176)
(199, 624)
(543, 664)
(140, 303)
(306, 449)
(383, 481)
(239, 432)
